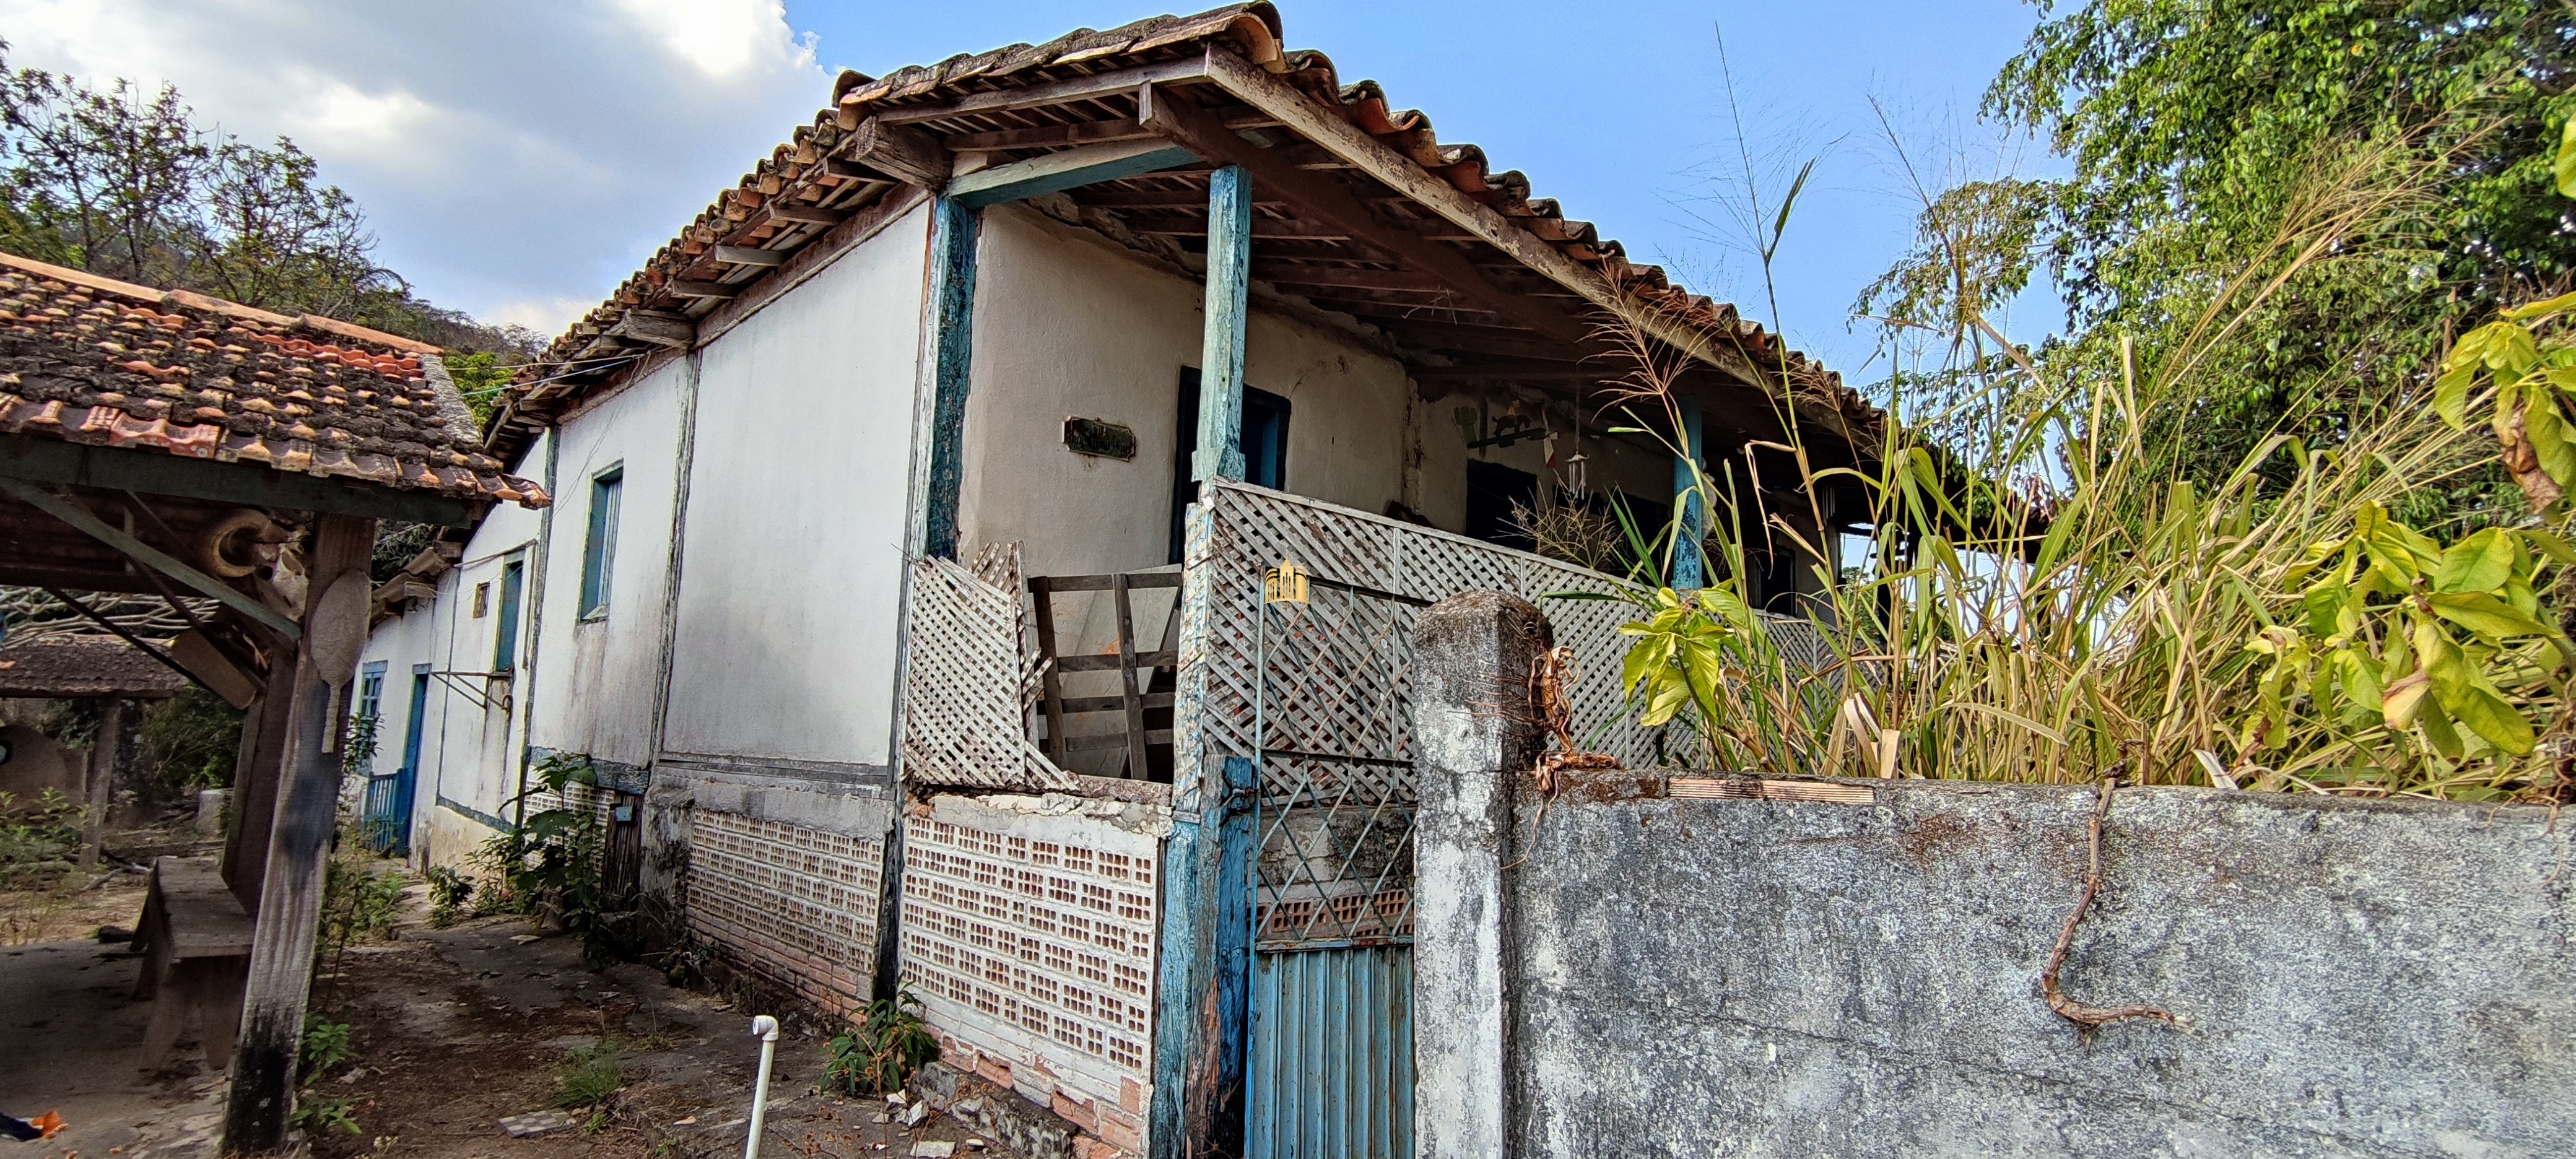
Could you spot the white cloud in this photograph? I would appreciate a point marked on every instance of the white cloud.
(517, 159)
(723, 38)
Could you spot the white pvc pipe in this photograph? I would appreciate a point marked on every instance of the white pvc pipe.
(766, 1028)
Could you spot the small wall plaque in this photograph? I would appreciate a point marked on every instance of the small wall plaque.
(1100, 439)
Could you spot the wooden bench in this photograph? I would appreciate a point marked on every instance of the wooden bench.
(195, 940)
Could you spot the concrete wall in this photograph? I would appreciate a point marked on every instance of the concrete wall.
(596, 687)
(1068, 324)
(1780, 977)
(793, 561)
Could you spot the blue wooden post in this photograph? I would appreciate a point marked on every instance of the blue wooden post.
(953, 230)
(1229, 285)
(1690, 568)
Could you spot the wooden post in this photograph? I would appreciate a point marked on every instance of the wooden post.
(954, 228)
(98, 793)
(1690, 567)
(266, 733)
(299, 841)
(1229, 287)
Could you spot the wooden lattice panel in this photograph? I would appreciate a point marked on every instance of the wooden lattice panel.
(1030, 940)
(968, 677)
(793, 904)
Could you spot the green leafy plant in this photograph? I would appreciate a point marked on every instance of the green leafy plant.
(48, 830)
(314, 1112)
(879, 1054)
(2401, 639)
(449, 893)
(553, 864)
(326, 1045)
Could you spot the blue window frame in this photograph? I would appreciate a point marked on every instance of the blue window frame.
(599, 550)
(1263, 439)
(370, 703)
(505, 627)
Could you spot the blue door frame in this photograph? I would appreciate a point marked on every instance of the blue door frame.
(388, 813)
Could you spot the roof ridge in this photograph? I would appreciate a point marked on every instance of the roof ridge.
(208, 302)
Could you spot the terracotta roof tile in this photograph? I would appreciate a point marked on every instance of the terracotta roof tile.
(83, 665)
(92, 360)
(1253, 31)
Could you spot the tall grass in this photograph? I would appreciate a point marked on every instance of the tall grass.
(2048, 597)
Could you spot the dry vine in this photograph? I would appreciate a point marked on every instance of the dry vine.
(2089, 1018)
(1552, 674)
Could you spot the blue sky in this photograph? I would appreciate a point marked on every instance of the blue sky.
(518, 159)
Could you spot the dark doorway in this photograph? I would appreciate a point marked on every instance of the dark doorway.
(1264, 439)
(1492, 489)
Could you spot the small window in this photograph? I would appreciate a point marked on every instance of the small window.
(482, 600)
(505, 633)
(599, 551)
(1263, 438)
(367, 711)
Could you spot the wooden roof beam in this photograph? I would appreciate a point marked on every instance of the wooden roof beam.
(1320, 196)
(1248, 83)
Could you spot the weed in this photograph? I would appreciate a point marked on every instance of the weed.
(317, 1113)
(880, 1054)
(326, 1045)
(590, 1075)
(449, 893)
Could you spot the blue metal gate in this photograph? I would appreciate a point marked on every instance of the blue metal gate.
(1330, 1054)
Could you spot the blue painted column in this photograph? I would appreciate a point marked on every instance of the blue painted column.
(1690, 568)
(954, 228)
(1229, 287)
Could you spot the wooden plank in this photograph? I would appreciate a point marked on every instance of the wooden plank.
(953, 230)
(907, 155)
(1130, 692)
(37, 459)
(1113, 83)
(658, 327)
(1069, 169)
(1267, 228)
(1321, 196)
(1049, 136)
(1078, 705)
(1404, 281)
(1156, 659)
(1227, 313)
(1125, 199)
(1100, 583)
(685, 288)
(262, 1100)
(1261, 90)
(1116, 740)
(1078, 133)
(144, 553)
(1762, 789)
(743, 255)
(781, 209)
(1051, 681)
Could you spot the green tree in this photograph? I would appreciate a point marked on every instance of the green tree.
(2420, 130)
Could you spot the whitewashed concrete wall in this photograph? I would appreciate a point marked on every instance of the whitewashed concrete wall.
(1068, 324)
(599, 676)
(792, 569)
(469, 753)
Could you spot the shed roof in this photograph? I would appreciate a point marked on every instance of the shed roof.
(93, 360)
(1084, 88)
(75, 665)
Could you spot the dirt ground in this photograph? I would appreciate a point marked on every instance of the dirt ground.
(452, 1030)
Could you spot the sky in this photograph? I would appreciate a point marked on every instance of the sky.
(518, 159)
